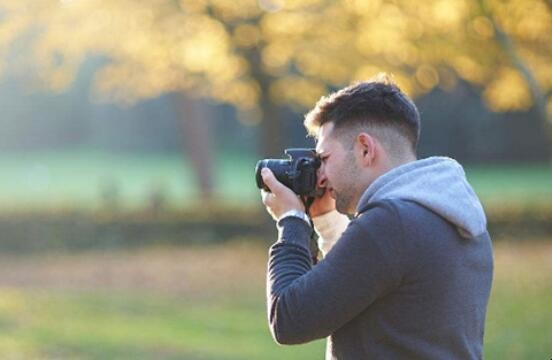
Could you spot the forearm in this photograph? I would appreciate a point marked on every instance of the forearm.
(307, 303)
(289, 257)
(297, 292)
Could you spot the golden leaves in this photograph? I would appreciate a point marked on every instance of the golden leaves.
(469, 69)
(427, 77)
(298, 90)
(271, 5)
(448, 14)
(222, 49)
(507, 91)
(483, 27)
(277, 55)
(246, 35)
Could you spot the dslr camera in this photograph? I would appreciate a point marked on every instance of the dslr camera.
(298, 172)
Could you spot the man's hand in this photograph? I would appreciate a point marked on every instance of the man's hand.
(322, 205)
(281, 199)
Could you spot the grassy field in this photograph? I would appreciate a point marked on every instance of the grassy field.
(208, 303)
(151, 303)
(512, 184)
(78, 179)
(520, 310)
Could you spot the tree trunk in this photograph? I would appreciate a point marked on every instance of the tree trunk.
(197, 141)
(271, 123)
(548, 4)
(271, 129)
(539, 98)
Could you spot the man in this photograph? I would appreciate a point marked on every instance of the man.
(409, 276)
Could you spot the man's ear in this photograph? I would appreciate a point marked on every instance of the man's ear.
(367, 148)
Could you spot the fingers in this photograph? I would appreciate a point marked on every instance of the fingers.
(267, 197)
(280, 199)
(271, 182)
(269, 201)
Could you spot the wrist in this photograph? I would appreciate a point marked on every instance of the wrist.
(295, 213)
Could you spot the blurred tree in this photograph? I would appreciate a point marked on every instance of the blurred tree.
(501, 47)
(262, 55)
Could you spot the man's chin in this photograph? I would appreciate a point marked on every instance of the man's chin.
(342, 206)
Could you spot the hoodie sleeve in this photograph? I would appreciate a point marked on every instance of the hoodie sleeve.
(305, 303)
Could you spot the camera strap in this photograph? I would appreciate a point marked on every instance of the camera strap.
(313, 245)
(307, 201)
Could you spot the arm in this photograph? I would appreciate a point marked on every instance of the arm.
(329, 228)
(328, 222)
(307, 303)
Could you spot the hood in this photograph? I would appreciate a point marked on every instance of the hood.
(437, 183)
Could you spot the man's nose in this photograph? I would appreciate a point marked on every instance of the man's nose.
(321, 177)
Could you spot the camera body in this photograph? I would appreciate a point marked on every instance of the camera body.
(297, 173)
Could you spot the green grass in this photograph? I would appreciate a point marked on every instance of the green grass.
(512, 184)
(91, 325)
(77, 179)
(519, 316)
(46, 314)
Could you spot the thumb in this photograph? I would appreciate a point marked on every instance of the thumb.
(271, 182)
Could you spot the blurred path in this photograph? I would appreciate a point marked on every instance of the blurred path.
(195, 272)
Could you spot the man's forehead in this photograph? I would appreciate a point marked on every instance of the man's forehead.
(323, 137)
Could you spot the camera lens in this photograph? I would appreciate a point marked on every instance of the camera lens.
(258, 178)
(280, 169)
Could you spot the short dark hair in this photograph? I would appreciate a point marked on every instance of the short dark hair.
(376, 103)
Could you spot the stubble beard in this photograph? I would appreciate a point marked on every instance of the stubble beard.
(345, 197)
(343, 203)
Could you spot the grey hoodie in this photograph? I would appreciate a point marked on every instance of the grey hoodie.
(437, 183)
(409, 278)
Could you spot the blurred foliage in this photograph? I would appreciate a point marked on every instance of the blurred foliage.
(71, 230)
(234, 51)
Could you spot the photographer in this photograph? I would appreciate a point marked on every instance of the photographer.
(409, 276)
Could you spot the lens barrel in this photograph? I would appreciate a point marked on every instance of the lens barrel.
(280, 168)
(297, 173)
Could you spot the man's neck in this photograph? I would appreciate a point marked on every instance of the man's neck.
(381, 169)
(399, 161)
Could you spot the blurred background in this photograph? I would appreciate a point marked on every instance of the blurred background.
(130, 223)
